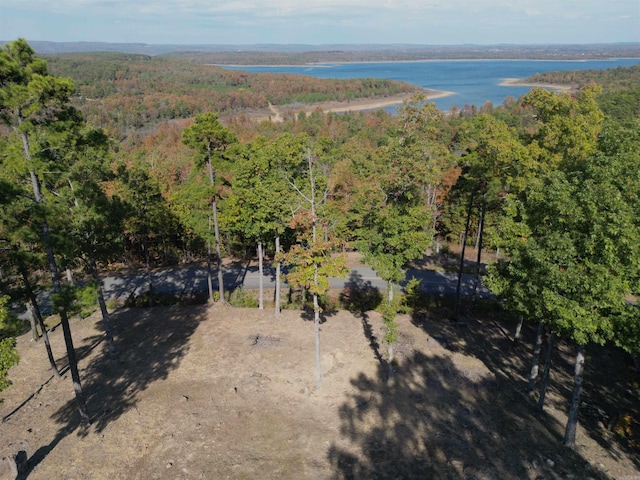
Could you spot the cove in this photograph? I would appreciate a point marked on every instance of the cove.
(473, 81)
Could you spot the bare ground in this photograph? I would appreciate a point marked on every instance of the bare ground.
(219, 392)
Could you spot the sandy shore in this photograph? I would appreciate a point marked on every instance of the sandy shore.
(519, 82)
(276, 113)
(371, 104)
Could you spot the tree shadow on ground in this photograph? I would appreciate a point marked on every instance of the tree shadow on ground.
(308, 315)
(180, 281)
(437, 421)
(488, 340)
(151, 344)
(488, 337)
(360, 297)
(236, 272)
(609, 401)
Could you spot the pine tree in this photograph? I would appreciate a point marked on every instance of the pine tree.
(211, 139)
(35, 106)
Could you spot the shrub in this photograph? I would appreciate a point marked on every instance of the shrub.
(327, 302)
(8, 358)
(86, 299)
(241, 298)
(113, 303)
(8, 353)
(10, 325)
(77, 300)
(295, 300)
(411, 298)
(628, 427)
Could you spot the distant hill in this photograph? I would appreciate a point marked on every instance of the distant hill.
(149, 49)
(301, 53)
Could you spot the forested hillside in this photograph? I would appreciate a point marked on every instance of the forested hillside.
(621, 97)
(548, 184)
(127, 92)
(615, 79)
(307, 54)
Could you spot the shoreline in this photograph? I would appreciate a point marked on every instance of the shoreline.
(375, 103)
(276, 112)
(520, 82)
(329, 64)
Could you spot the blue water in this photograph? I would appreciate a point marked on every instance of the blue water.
(473, 81)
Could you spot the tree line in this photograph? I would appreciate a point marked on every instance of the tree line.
(620, 100)
(366, 53)
(548, 181)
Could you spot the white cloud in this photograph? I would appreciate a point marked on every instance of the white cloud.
(305, 21)
(295, 7)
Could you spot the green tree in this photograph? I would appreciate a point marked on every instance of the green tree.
(421, 141)
(567, 126)
(497, 165)
(35, 106)
(211, 139)
(19, 253)
(147, 215)
(259, 207)
(392, 231)
(311, 258)
(577, 256)
(562, 133)
(94, 222)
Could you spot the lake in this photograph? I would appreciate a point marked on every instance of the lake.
(473, 81)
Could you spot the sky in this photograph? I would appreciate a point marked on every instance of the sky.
(318, 22)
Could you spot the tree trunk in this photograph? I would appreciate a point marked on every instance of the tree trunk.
(35, 311)
(37, 197)
(261, 279)
(103, 307)
(164, 250)
(209, 276)
(478, 237)
(93, 267)
(278, 273)
(476, 280)
(516, 337)
(57, 285)
(316, 305)
(533, 376)
(32, 322)
(316, 331)
(32, 307)
(149, 276)
(66, 329)
(390, 292)
(216, 229)
(456, 308)
(69, 276)
(216, 232)
(572, 420)
(545, 375)
(390, 362)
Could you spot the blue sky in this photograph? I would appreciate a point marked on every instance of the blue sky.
(435, 22)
